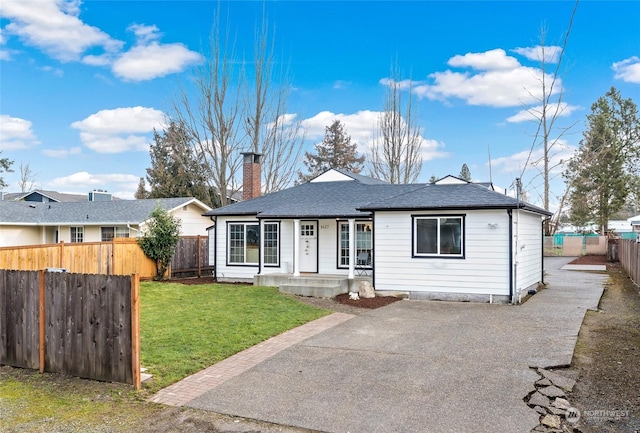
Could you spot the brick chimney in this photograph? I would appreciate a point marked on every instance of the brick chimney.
(251, 175)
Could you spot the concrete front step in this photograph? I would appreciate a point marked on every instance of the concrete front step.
(315, 290)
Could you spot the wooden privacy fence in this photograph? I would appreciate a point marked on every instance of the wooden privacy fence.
(121, 256)
(192, 256)
(629, 256)
(76, 324)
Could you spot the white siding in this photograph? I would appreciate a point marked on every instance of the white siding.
(226, 272)
(14, 236)
(528, 250)
(192, 221)
(484, 269)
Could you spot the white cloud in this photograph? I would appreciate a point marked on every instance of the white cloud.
(532, 177)
(120, 129)
(16, 133)
(55, 71)
(487, 61)
(400, 85)
(150, 59)
(62, 153)
(82, 181)
(360, 126)
(550, 54)
(144, 33)
(559, 154)
(500, 81)
(534, 113)
(341, 84)
(54, 27)
(628, 70)
(146, 62)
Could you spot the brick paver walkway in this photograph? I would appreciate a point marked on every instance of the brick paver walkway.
(197, 384)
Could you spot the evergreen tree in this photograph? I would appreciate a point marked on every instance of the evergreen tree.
(159, 239)
(465, 173)
(601, 174)
(175, 169)
(141, 192)
(335, 151)
(5, 166)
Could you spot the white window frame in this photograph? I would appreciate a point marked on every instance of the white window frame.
(362, 242)
(276, 243)
(440, 251)
(242, 243)
(118, 232)
(76, 234)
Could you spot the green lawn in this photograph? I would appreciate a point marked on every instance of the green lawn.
(185, 328)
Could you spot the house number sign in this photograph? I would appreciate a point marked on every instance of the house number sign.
(324, 226)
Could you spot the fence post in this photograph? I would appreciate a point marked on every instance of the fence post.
(135, 329)
(42, 321)
(61, 255)
(199, 269)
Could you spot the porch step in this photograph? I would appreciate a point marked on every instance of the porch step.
(314, 289)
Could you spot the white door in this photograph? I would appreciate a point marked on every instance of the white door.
(308, 246)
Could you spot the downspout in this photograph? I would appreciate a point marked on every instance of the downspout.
(215, 249)
(260, 249)
(373, 250)
(542, 250)
(510, 213)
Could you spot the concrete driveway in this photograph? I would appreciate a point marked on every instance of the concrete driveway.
(419, 366)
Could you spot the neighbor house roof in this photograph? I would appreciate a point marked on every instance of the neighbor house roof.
(87, 213)
(358, 197)
(51, 195)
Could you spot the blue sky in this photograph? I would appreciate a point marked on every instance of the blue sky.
(83, 84)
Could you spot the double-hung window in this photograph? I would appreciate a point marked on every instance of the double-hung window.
(77, 234)
(244, 243)
(438, 236)
(271, 254)
(108, 233)
(364, 241)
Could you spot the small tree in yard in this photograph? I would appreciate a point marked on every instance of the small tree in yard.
(159, 239)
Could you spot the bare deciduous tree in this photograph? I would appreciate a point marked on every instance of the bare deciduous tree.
(239, 106)
(27, 178)
(269, 129)
(396, 152)
(548, 134)
(211, 115)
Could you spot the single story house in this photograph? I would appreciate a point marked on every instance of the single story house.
(34, 223)
(452, 240)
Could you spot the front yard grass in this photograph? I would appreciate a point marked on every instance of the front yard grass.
(185, 328)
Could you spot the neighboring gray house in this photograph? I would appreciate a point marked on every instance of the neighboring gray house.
(448, 240)
(43, 196)
(33, 222)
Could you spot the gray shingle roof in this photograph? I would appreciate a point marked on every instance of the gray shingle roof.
(85, 213)
(358, 199)
(52, 195)
(454, 196)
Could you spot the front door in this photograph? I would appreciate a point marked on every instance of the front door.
(308, 246)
